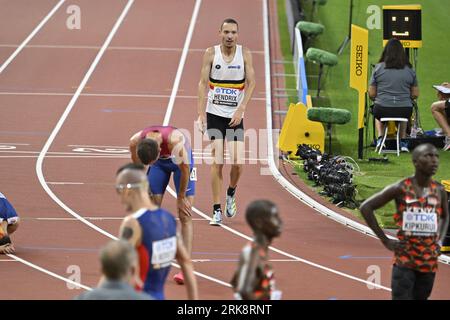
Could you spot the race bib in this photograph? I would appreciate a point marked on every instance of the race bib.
(420, 223)
(163, 252)
(193, 176)
(225, 97)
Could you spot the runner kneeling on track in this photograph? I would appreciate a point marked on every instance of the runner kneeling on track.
(166, 150)
(9, 222)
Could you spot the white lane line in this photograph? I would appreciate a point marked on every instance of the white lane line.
(187, 43)
(65, 183)
(52, 274)
(116, 95)
(14, 144)
(202, 214)
(87, 218)
(72, 157)
(91, 146)
(69, 153)
(2, 68)
(40, 160)
(235, 260)
(130, 48)
(8, 260)
(42, 154)
(30, 36)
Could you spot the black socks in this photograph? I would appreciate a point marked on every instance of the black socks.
(231, 191)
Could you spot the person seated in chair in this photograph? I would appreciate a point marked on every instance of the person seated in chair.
(393, 86)
(441, 113)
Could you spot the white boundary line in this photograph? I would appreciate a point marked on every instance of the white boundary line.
(202, 214)
(187, 43)
(286, 184)
(40, 160)
(117, 95)
(62, 46)
(30, 36)
(42, 154)
(52, 274)
(2, 68)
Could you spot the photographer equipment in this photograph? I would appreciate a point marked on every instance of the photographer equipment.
(335, 174)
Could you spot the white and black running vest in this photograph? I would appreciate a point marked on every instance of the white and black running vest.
(226, 84)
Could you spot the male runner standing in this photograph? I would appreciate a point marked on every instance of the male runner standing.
(422, 218)
(226, 69)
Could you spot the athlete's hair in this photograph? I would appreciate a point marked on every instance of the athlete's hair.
(258, 209)
(131, 166)
(116, 258)
(229, 20)
(148, 151)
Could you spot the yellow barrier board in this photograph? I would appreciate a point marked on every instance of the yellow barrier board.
(297, 129)
(359, 61)
(446, 184)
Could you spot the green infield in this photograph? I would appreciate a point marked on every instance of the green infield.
(433, 67)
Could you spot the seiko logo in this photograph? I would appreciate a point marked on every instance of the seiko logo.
(234, 67)
(359, 53)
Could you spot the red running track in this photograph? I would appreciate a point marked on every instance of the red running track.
(129, 89)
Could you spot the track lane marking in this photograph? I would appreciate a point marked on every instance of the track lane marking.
(30, 36)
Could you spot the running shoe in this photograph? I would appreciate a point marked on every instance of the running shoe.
(217, 218)
(447, 143)
(179, 278)
(404, 146)
(230, 208)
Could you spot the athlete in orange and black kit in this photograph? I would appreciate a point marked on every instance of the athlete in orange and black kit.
(254, 279)
(422, 217)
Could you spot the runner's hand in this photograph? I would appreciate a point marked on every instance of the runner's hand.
(393, 245)
(237, 118)
(201, 123)
(7, 249)
(184, 206)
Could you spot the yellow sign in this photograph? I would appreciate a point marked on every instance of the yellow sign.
(297, 129)
(359, 56)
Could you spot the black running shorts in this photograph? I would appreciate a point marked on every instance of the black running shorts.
(218, 128)
(408, 284)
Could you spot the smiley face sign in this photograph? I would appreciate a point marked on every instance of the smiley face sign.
(403, 23)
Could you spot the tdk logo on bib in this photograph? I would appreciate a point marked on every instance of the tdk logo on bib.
(234, 67)
(226, 91)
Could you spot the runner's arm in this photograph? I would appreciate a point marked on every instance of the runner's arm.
(134, 141)
(188, 270)
(177, 142)
(375, 202)
(249, 261)
(249, 78)
(208, 58)
(131, 231)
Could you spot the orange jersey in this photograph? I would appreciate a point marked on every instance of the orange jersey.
(418, 219)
